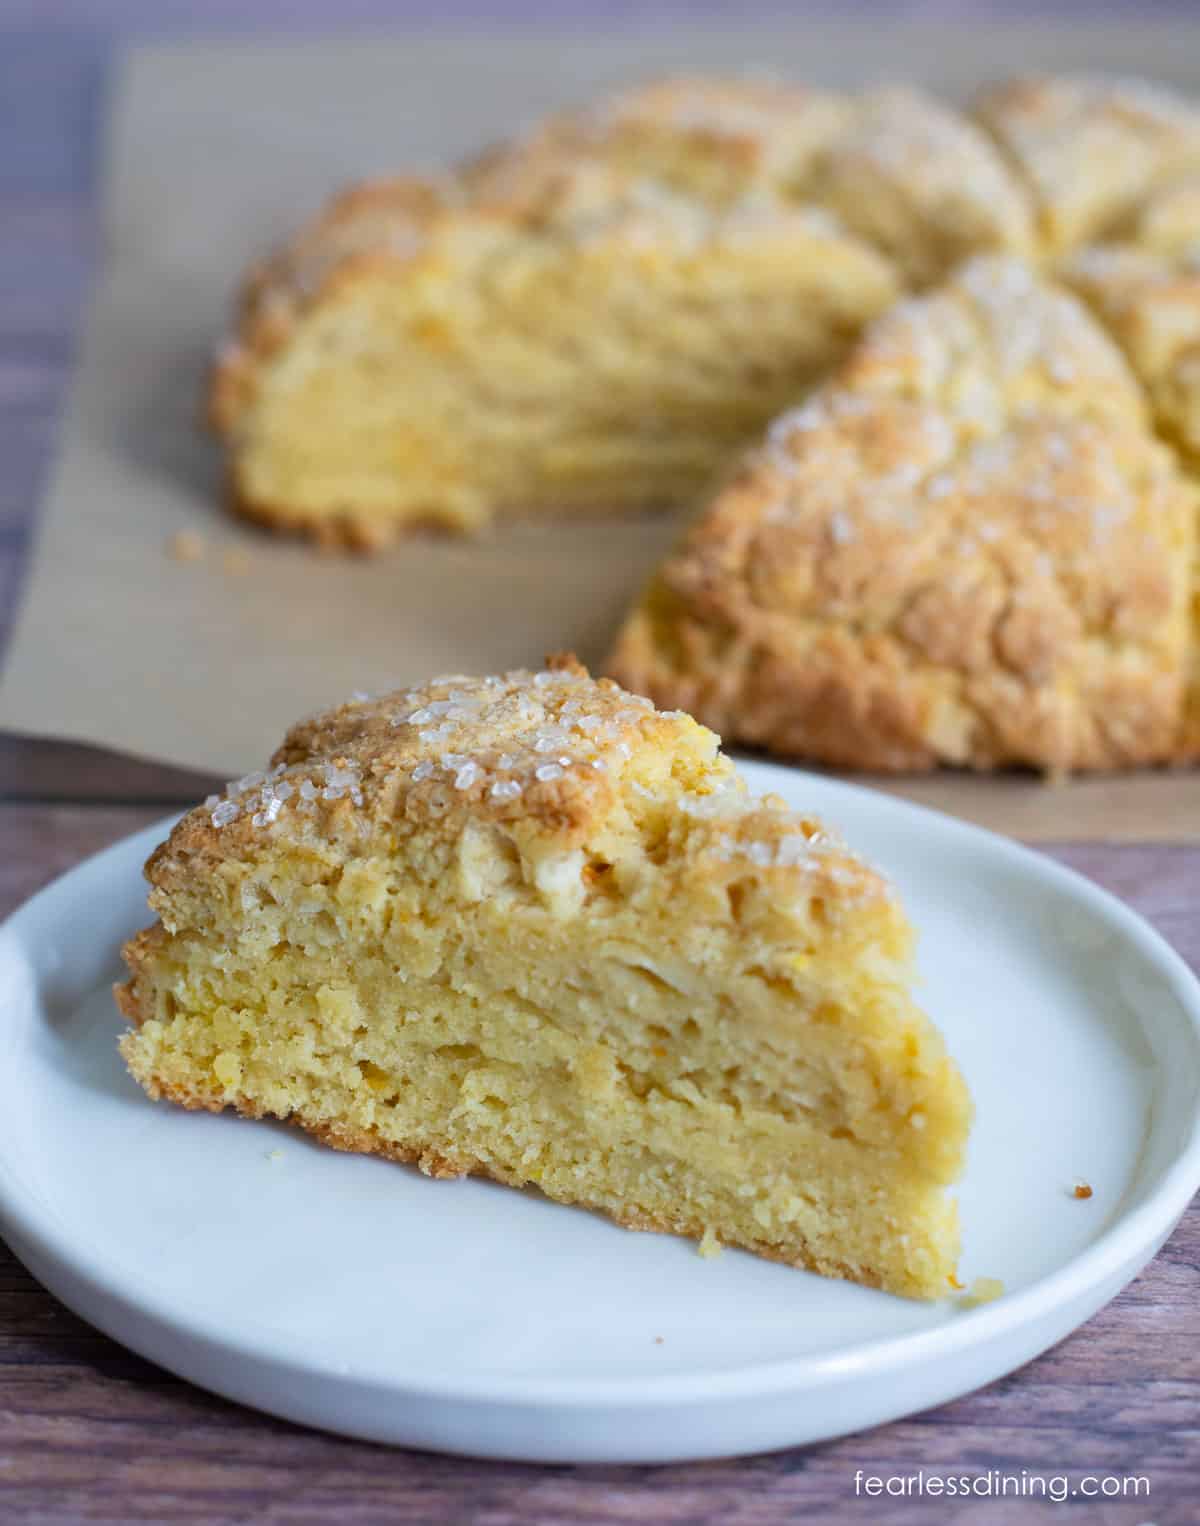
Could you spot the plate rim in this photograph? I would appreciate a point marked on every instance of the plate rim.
(1130, 1241)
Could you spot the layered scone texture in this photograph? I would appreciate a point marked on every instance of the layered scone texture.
(530, 927)
(594, 317)
(968, 547)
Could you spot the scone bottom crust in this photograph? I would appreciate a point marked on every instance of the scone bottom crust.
(529, 927)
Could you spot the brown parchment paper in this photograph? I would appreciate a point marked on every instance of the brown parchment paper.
(215, 151)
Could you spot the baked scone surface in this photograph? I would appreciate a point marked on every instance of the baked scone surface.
(530, 927)
(1149, 299)
(1091, 148)
(966, 548)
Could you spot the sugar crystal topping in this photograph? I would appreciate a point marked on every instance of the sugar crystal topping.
(506, 736)
(496, 736)
(990, 397)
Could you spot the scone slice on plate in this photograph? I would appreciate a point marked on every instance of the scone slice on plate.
(528, 926)
(967, 548)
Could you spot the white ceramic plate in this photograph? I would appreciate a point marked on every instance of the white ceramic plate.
(359, 1296)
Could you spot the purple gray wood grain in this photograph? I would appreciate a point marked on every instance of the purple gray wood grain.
(91, 1433)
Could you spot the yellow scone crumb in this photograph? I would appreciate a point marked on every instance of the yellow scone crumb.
(228, 1069)
(187, 546)
(982, 1290)
(529, 927)
(710, 1244)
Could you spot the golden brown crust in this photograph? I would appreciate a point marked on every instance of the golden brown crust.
(966, 549)
(549, 755)
(348, 531)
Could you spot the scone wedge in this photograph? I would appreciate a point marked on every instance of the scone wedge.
(967, 548)
(529, 927)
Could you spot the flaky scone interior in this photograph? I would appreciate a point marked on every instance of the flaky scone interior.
(530, 927)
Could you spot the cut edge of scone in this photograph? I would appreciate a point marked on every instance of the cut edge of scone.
(967, 548)
(532, 928)
(826, 203)
(540, 327)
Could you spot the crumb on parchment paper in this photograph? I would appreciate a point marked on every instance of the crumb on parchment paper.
(186, 546)
(190, 546)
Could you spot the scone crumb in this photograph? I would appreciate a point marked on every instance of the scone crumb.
(227, 1068)
(236, 563)
(982, 1290)
(658, 1340)
(274, 1156)
(186, 546)
(1081, 1189)
(709, 1245)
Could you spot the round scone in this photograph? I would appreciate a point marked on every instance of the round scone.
(967, 548)
(530, 927)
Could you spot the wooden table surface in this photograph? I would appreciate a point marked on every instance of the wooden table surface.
(89, 1432)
